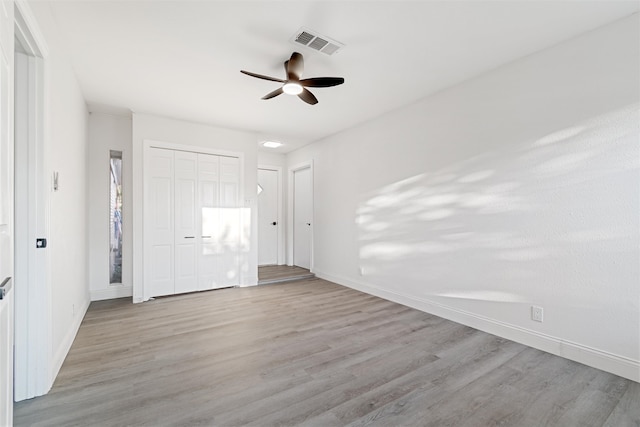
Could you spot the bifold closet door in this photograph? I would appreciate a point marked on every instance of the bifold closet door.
(187, 235)
(218, 181)
(159, 218)
(192, 221)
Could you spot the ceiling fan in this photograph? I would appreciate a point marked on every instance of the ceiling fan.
(294, 67)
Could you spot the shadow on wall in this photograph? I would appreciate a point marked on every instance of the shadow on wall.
(556, 215)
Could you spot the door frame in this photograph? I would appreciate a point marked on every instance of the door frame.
(279, 215)
(33, 363)
(291, 201)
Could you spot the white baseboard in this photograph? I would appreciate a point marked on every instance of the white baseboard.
(248, 281)
(248, 285)
(112, 292)
(65, 346)
(622, 366)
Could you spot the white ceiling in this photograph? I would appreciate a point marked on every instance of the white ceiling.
(182, 59)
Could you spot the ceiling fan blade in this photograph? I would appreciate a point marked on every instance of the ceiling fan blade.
(322, 81)
(308, 97)
(260, 76)
(273, 94)
(294, 66)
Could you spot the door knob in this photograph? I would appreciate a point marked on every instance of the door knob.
(274, 223)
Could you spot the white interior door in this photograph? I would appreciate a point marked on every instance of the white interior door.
(302, 214)
(6, 213)
(208, 185)
(186, 228)
(268, 217)
(159, 218)
(32, 293)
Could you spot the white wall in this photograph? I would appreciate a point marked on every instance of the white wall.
(148, 127)
(517, 188)
(66, 120)
(272, 159)
(108, 132)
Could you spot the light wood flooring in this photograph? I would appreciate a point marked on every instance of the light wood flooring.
(312, 353)
(282, 273)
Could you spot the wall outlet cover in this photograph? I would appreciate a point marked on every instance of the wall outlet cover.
(537, 313)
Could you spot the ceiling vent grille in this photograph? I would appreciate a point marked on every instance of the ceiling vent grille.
(315, 41)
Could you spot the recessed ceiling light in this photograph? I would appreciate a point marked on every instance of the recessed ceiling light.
(271, 144)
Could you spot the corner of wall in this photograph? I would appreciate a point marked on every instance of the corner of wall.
(65, 346)
(112, 292)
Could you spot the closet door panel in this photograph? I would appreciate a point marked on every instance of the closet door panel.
(187, 238)
(209, 183)
(185, 268)
(162, 272)
(229, 221)
(160, 226)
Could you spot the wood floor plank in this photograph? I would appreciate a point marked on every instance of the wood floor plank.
(312, 353)
(627, 411)
(281, 273)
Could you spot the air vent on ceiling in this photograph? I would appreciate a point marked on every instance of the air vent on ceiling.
(315, 41)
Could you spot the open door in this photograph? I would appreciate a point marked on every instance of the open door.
(6, 213)
(32, 362)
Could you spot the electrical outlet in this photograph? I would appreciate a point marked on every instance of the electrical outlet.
(537, 313)
(361, 271)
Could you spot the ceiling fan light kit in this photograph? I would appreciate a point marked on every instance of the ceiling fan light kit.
(292, 88)
(293, 85)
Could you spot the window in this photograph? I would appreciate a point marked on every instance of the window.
(115, 218)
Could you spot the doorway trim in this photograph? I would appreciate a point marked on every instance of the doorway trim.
(290, 199)
(33, 365)
(280, 216)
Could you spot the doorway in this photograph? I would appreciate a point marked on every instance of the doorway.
(270, 225)
(301, 215)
